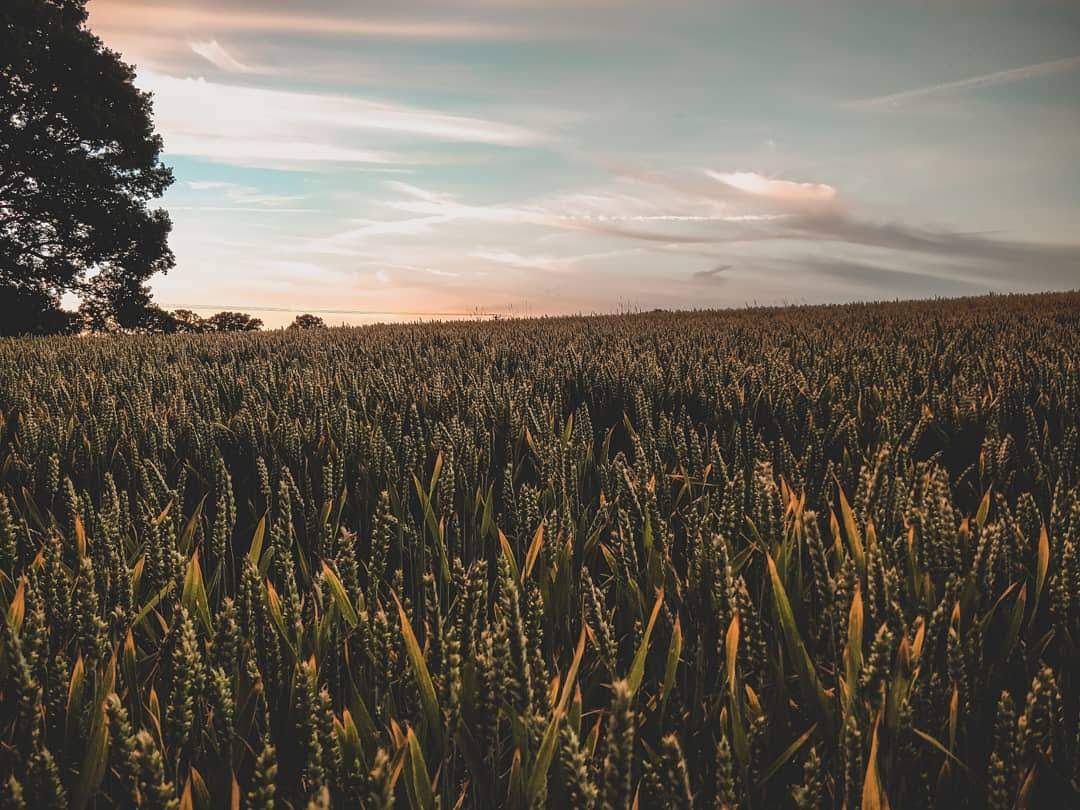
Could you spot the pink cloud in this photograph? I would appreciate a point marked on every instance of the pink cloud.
(782, 190)
(121, 14)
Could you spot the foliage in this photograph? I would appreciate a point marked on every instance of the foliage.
(28, 310)
(79, 165)
(810, 557)
(232, 322)
(187, 321)
(307, 322)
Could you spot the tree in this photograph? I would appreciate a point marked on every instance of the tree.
(125, 309)
(233, 322)
(188, 321)
(308, 322)
(79, 165)
(26, 310)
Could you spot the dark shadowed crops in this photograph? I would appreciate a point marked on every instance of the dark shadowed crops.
(805, 557)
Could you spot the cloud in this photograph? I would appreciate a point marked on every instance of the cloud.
(544, 262)
(671, 217)
(642, 235)
(942, 280)
(814, 213)
(419, 193)
(894, 100)
(247, 197)
(449, 209)
(861, 276)
(107, 14)
(245, 209)
(1017, 255)
(945, 255)
(346, 242)
(220, 58)
(782, 190)
(207, 185)
(605, 213)
(256, 127)
(713, 275)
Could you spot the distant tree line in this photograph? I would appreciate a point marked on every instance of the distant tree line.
(186, 321)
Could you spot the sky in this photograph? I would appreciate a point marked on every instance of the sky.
(410, 159)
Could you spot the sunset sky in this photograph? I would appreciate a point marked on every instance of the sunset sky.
(414, 158)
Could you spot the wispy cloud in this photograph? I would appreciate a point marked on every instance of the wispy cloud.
(214, 53)
(207, 185)
(246, 209)
(775, 189)
(894, 100)
(885, 278)
(557, 215)
(246, 197)
(257, 127)
(175, 17)
(352, 241)
(410, 190)
(545, 262)
(816, 213)
(805, 221)
(716, 274)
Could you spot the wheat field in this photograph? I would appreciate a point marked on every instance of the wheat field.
(806, 557)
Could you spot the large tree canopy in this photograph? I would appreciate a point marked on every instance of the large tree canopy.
(79, 165)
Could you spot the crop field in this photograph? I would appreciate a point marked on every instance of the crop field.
(806, 557)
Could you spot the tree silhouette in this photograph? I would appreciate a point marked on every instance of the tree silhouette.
(308, 322)
(79, 164)
(188, 321)
(125, 309)
(233, 322)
